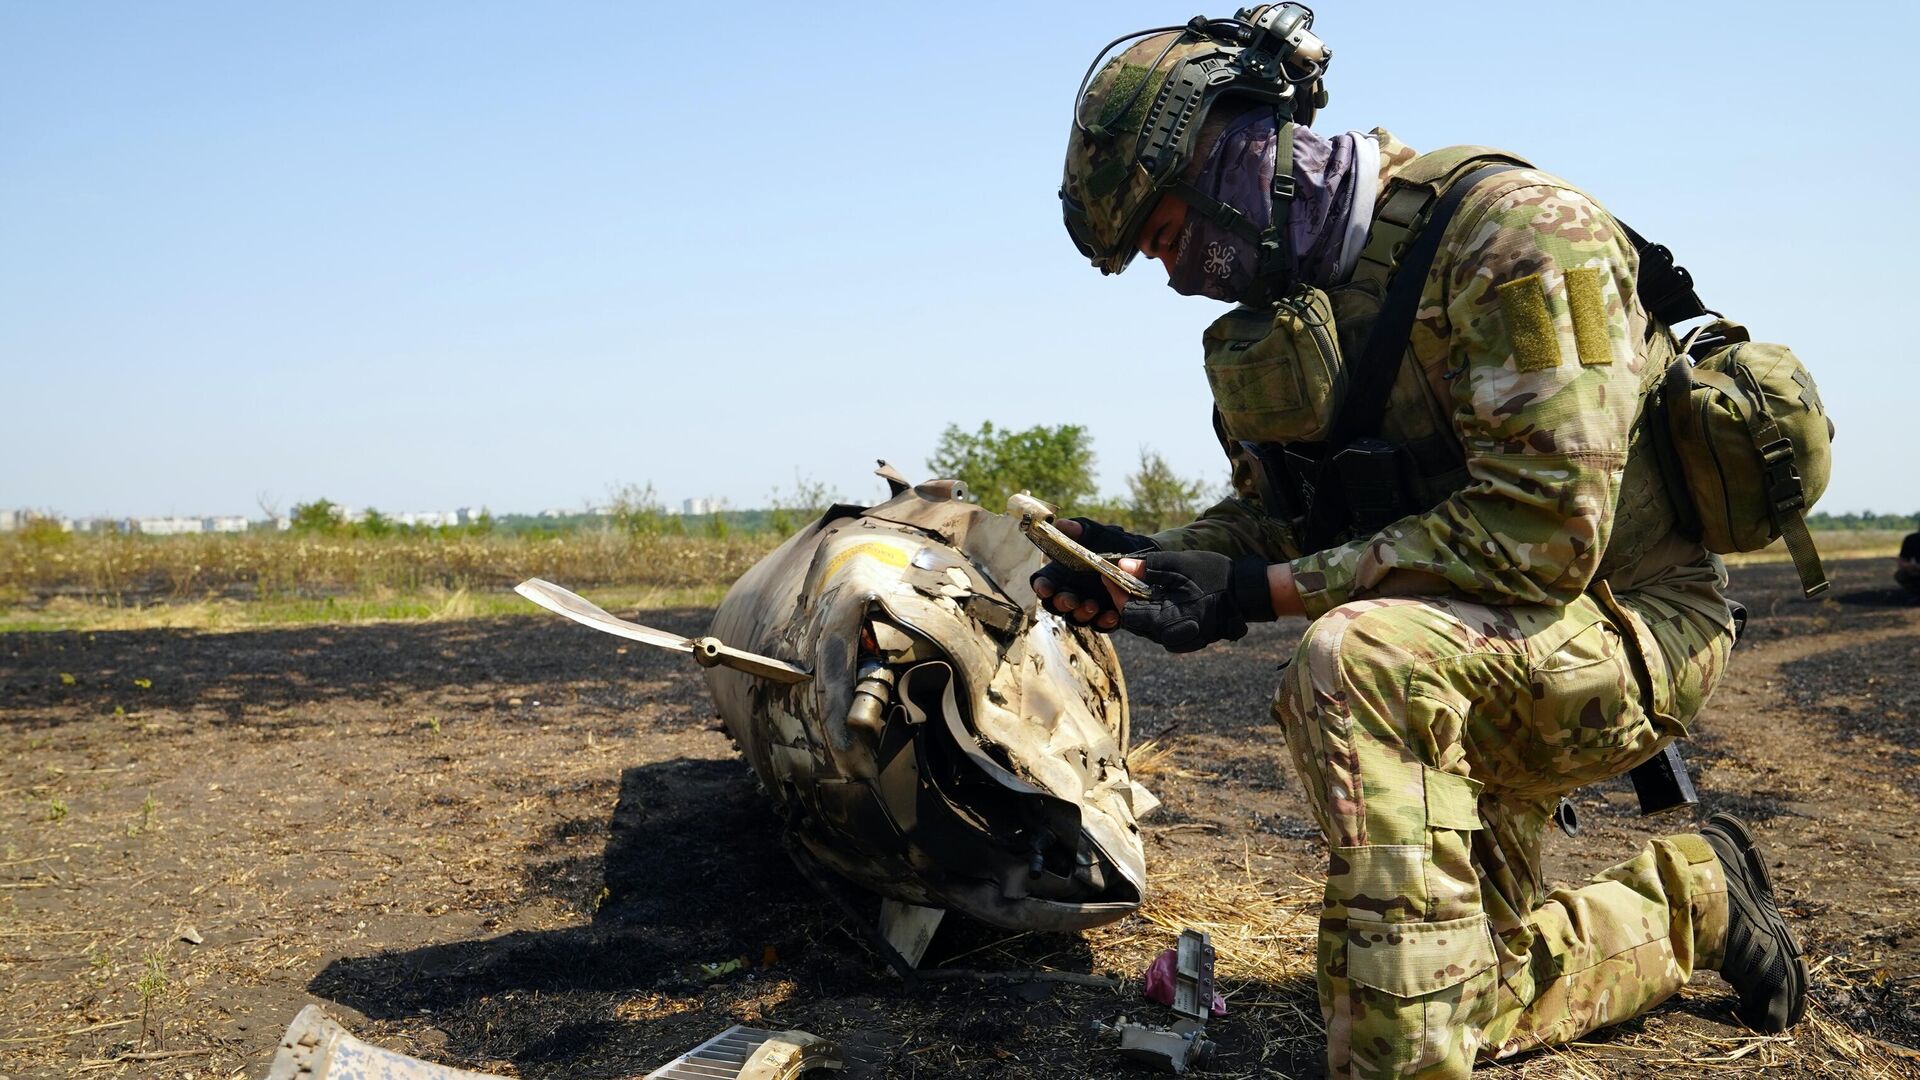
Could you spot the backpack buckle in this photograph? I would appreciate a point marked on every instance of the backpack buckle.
(1778, 473)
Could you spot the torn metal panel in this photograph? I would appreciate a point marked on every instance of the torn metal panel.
(1193, 977)
(317, 1048)
(909, 928)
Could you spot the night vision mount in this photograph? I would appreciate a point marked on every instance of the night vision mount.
(1281, 44)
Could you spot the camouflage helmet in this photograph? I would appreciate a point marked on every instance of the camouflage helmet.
(1135, 121)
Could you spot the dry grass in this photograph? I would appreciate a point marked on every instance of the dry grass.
(1264, 934)
(235, 582)
(381, 605)
(1149, 758)
(1833, 544)
(127, 569)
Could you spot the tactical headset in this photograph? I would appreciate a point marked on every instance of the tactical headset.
(1267, 53)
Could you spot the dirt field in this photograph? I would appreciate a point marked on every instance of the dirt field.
(511, 844)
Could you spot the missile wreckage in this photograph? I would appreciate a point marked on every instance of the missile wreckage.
(925, 731)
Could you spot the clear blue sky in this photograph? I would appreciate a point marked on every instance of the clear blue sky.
(434, 254)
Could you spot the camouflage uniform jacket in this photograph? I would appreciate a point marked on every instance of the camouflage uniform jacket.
(1530, 341)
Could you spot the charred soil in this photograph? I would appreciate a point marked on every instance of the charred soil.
(517, 846)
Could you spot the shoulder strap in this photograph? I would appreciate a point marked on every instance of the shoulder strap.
(1410, 194)
(1372, 378)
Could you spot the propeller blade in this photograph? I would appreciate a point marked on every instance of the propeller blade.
(707, 651)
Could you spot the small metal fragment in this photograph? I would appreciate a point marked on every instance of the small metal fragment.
(1193, 977)
(317, 1048)
(745, 1053)
(1170, 1050)
(909, 928)
(990, 612)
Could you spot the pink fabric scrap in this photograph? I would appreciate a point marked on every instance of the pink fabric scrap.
(1156, 985)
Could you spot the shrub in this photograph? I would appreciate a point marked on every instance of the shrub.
(1054, 463)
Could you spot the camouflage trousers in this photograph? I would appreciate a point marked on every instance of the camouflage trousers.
(1434, 739)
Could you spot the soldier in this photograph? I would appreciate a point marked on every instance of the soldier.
(1502, 607)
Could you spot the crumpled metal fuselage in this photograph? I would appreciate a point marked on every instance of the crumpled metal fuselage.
(955, 748)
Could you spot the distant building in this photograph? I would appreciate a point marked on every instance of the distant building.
(170, 526)
(227, 523)
(15, 520)
(432, 519)
(695, 507)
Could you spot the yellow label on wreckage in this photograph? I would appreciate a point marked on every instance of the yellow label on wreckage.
(894, 555)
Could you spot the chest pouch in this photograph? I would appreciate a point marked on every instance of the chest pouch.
(1276, 372)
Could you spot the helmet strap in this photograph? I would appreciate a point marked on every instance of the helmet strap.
(1276, 248)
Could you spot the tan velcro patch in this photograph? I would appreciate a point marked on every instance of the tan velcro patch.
(1529, 324)
(1589, 303)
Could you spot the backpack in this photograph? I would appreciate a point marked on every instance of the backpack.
(1746, 445)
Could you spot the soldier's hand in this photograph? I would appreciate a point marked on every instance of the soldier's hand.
(1082, 595)
(1199, 597)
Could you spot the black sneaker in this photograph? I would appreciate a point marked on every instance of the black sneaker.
(1762, 960)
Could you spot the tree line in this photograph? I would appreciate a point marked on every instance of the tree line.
(1055, 463)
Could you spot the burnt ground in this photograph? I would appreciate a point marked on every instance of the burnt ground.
(510, 845)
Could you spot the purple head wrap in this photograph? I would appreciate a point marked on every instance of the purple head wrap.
(1218, 262)
(1215, 261)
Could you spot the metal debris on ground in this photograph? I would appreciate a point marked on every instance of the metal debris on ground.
(1181, 978)
(316, 1047)
(744, 1053)
(1171, 1049)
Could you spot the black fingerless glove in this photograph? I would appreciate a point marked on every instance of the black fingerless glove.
(1199, 597)
(1111, 539)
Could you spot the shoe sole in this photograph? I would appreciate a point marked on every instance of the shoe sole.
(1743, 842)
